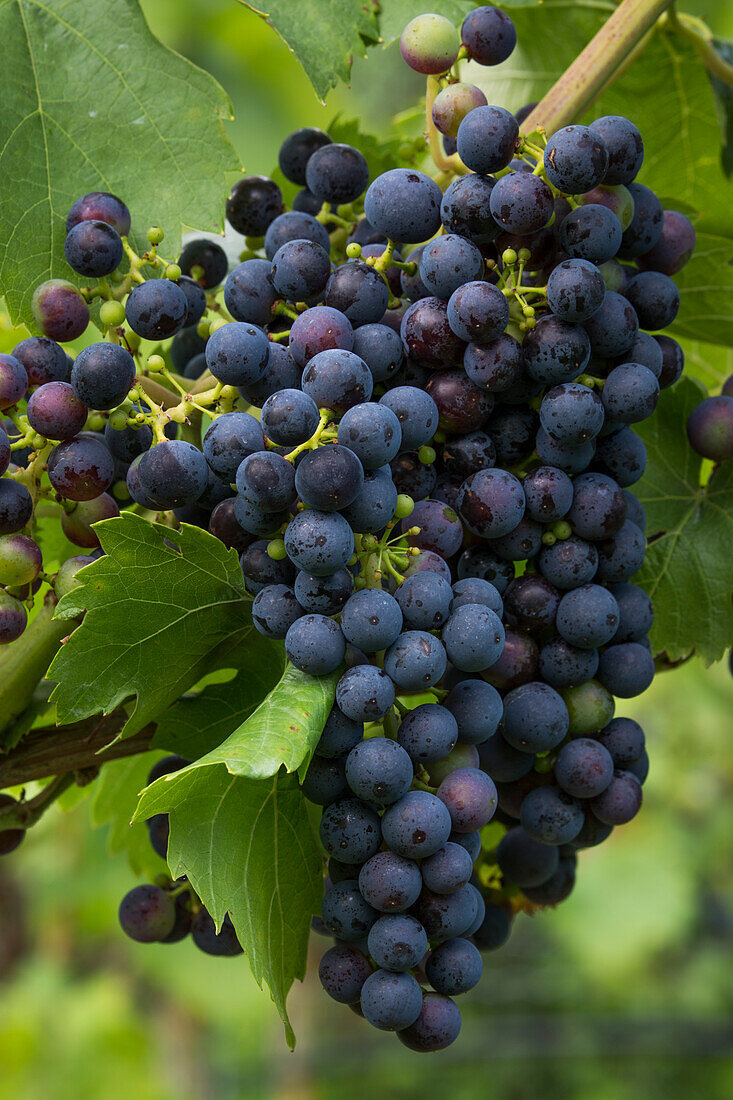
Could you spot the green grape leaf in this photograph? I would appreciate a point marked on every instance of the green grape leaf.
(724, 96)
(163, 609)
(197, 723)
(282, 731)
(247, 848)
(706, 293)
(116, 792)
(89, 95)
(688, 571)
(324, 35)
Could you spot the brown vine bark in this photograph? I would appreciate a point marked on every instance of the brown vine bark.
(59, 750)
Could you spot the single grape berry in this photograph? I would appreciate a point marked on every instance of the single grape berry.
(489, 35)
(102, 375)
(297, 149)
(429, 44)
(205, 261)
(147, 914)
(255, 202)
(100, 206)
(60, 310)
(156, 309)
(710, 428)
(404, 205)
(93, 248)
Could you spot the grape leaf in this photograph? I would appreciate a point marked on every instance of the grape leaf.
(116, 792)
(282, 730)
(324, 35)
(90, 93)
(248, 849)
(724, 97)
(688, 571)
(163, 609)
(706, 292)
(196, 724)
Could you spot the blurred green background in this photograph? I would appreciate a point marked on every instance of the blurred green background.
(625, 992)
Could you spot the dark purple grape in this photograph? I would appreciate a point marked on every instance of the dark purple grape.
(575, 289)
(173, 473)
(655, 299)
(428, 337)
(674, 247)
(620, 801)
(147, 914)
(576, 159)
(491, 502)
(584, 768)
(436, 1027)
(358, 290)
(156, 309)
(531, 603)
(556, 351)
(470, 798)
(211, 942)
(59, 310)
(521, 203)
(81, 468)
(297, 149)
(550, 815)
(563, 665)
(380, 348)
(337, 173)
(548, 493)
(518, 663)
(622, 456)
(337, 379)
(249, 294)
(55, 411)
(93, 248)
(646, 225)
(350, 831)
(440, 528)
(613, 327)
(315, 644)
(710, 428)
(417, 414)
(524, 861)
(404, 204)
(391, 1001)
(255, 201)
(591, 232)
(489, 35)
(465, 209)
(259, 569)
(205, 261)
(102, 375)
(100, 206)
(673, 360)
(44, 360)
(558, 887)
(624, 740)
(630, 393)
(343, 971)
(13, 619)
(487, 138)
(572, 413)
(479, 561)
(626, 669)
(621, 555)
(624, 146)
(495, 366)
(535, 718)
(289, 417)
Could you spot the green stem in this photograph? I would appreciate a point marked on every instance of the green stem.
(594, 67)
(22, 815)
(24, 663)
(696, 32)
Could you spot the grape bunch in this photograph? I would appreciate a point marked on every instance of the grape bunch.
(421, 444)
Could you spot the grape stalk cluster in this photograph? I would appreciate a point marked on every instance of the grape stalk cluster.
(421, 398)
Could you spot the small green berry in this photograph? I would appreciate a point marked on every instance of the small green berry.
(173, 272)
(524, 255)
(509, 256)
(95, 422)
(549, 539)
(405, 506)
(118, 419)
(155, 363)
(561, 529)
(426, 455)
(217, 323)
(276, 550)
(353, 250)
(111, 314)
(254, 243)
(155, 234)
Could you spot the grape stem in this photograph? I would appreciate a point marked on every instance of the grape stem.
(701, 37)
(23, 814)
(596, 65)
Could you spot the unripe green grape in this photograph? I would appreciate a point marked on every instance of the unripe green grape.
(155, 234)
(462, 756)
(353, 250)
(452, 104)
(217, 323)
(561, 529)
(77, 524)
(549, 539)
(430, 44)
(155, 363)
(254, 244)
(509, 256)
(276, 550)
(95, 422)
(112, 314)
(203, 327)
(66, 579)
(426, 455)
(590, 707)
(20, 559)
(405, 506)
(173, 272)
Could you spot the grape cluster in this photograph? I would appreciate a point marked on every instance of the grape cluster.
(422, 446)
